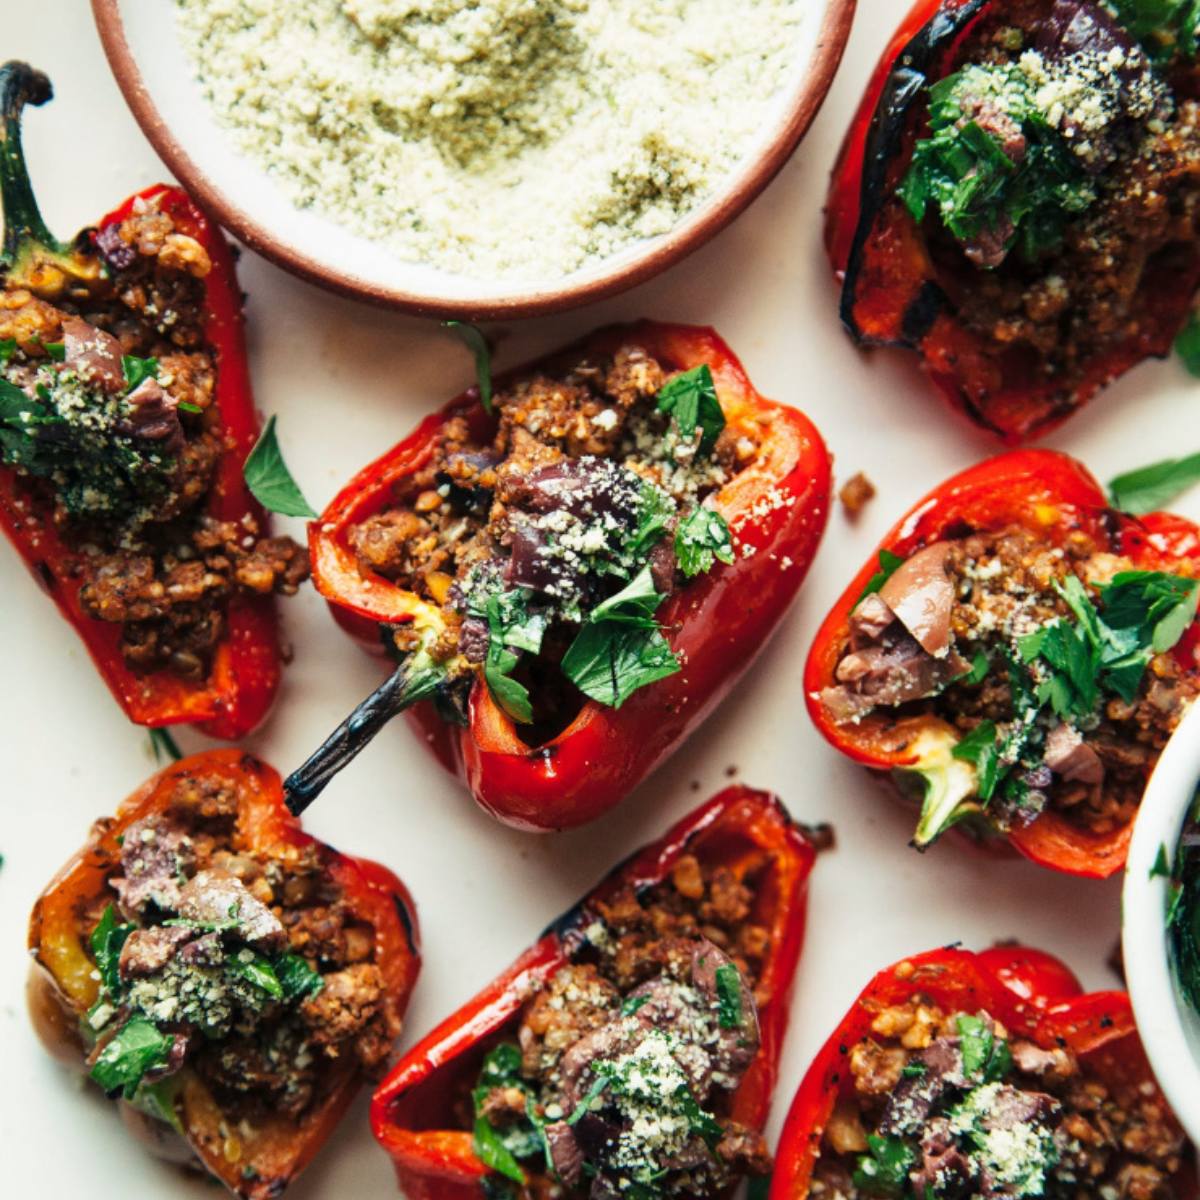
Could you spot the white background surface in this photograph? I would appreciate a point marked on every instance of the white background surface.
(347, 382)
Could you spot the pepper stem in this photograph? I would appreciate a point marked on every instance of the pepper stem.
(416, 678)
(24, 229)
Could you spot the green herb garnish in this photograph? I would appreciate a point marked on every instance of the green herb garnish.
(1157, 485)
(1161, 867)
(888, 564)
(268, 478)
(257, 969)
(729, 996)
(107, 941)
(137, 370)
(983, 1054)
(702, 539)
(164, 747)
(690, 398)
(137, 1047)
(297, 977)
(883, 1170)
(472, 337)
(979, 748)
(1163, 27)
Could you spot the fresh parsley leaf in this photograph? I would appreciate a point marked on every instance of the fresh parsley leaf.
(137, 370)
(8, 347)
(599, 1084)
(511, 627)
(702, 539)
(134, 1049)
(501, 1066)
(1159, 606)
(1163, 27)
(883, 1170)
(620, 647)
(495, 1148)
(690, 398)
(107, 941)
(157, 1100)
(701, 1123)
(980, 665)
(297, 977)
(188, 407)
(56, 350)
(914, 1070)
(268, 478)
(1153, 487)
(164, 747)
(980, 749)
(729, 996)
(472, 337)
(509, 693)
(888, 564)
(982, 1053)
(633, 1004)
(490, 1149)
(655, 511)
(258, 970)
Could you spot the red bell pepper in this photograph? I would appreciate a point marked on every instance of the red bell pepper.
(717, 623)
(894, 293)
(241, 685)
(1028, 991)
(412, 1113)
(1051, 496)
(255, 1160)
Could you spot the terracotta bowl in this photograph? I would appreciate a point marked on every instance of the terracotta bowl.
(149, 62)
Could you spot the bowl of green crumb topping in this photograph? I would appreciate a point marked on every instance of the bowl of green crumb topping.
(485, 158)
(1160, 936)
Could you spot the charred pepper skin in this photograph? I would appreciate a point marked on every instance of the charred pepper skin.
(777, 509)
(64, 985)
(891, 293)
(1030, 992)
(1050, 495)
(240, 688)
(411, 1112)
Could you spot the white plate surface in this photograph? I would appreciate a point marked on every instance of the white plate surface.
(347, 381)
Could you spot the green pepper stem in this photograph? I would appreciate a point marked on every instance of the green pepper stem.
(24, 228)
(414, 679)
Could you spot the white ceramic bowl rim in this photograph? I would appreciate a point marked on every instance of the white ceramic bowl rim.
(151, 68)
(1169, 1028)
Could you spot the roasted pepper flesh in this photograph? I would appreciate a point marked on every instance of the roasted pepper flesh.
(127, 416)
(998, 730)
(582, 755)
(177, 1010)
(742, 836)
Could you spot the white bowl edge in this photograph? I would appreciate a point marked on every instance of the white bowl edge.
(1169, 1027)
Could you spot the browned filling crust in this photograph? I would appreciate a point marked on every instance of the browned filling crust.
(132, 504)
(956, 1106)
(249, 963)
(660, 996)
(994, 590)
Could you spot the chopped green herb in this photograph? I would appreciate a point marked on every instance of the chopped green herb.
(888, 563)
(268, 478)
(1163, 27)
(134, 1049)
(980, 749)
(690, 398)
(164, 747)
(975, 188)
(700, 1122)
(701, 540)
(157, 1100)
(258, 970)
(500, 1149)
(188, 407)
(137, 370)
(297, 977)
(107, 941)
(1154, 487)
(914, 1070)
(56, 350)
(729, 996)
(511, 627)
(654, 516)
(633, 1004)
(883, 1170)
(980, 666)
(620, 647)
(8, 347)
(593, 1093)
(983, 1054)
(472, 337)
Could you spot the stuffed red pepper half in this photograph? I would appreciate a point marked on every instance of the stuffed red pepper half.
(573, 576)
(634, 1049)
(125, 420)
(1017, 655)
(985, 1075)
(1017, 199)
(228, 979)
